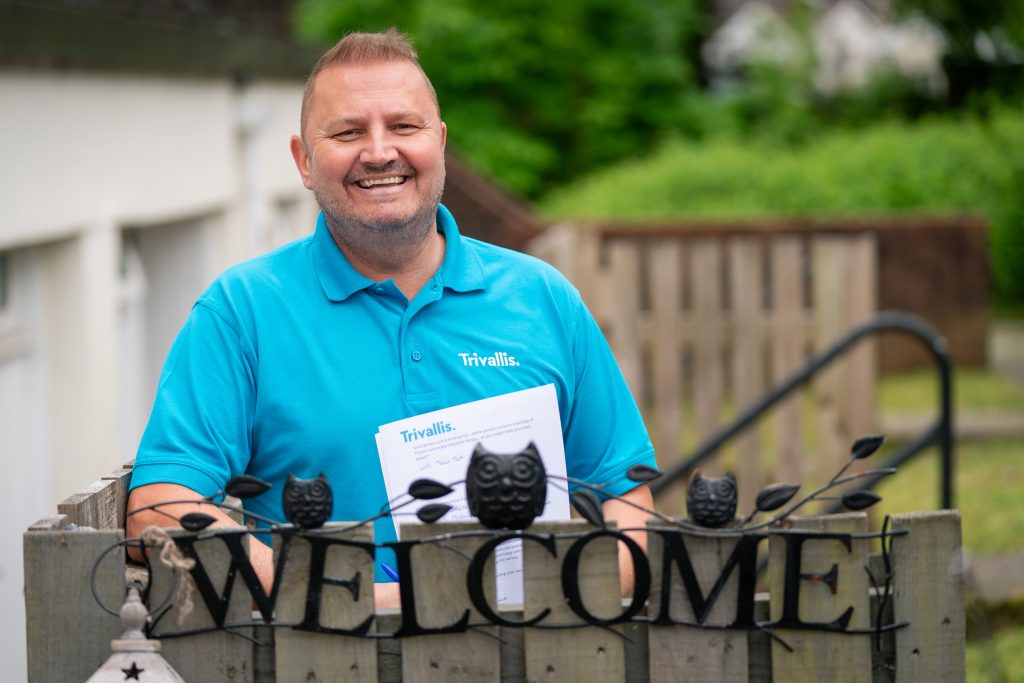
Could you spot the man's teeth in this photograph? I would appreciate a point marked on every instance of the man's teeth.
(393, 180)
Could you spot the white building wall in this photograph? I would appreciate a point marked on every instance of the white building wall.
(121, 197)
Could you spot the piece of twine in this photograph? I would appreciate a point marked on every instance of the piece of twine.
(172, 557)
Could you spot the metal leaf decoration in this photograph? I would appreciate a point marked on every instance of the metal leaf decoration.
(860, 500)
(642, 473)
(245, 486)
(196, 521)
(428, 489)
(432, 512)
(775, 496)
(866, 445)
(587, 504)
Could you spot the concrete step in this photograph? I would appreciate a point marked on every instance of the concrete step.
(966, 425)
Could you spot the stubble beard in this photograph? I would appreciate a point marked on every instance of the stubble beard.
(385, 244)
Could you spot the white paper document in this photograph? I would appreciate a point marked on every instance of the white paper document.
(438, 446)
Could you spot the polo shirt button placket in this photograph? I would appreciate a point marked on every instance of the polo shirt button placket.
(417, 356)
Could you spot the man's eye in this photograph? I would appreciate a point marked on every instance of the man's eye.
(346, 134)
(404, 127)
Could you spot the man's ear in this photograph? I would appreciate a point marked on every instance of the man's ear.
(444, 135)
(301, 160)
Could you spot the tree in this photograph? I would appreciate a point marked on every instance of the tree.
(535, 92)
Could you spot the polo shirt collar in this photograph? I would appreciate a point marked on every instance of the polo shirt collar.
(460, 271)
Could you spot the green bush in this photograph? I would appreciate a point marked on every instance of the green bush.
(935, 165)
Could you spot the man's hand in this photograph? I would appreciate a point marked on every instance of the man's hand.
(629, 517)
(386, 595)
(261, 555)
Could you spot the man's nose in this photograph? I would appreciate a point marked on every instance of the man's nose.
(379, 149)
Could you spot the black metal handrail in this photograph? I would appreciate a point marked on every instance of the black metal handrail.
(940, 432)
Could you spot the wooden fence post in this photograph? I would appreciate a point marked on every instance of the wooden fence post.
(440, 575)
(589, 654)
(220, 655)
(68, 633)
(302, 656)
(706, 656)
(820, 655)
(928, 591)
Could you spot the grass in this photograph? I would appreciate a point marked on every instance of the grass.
(989, 486)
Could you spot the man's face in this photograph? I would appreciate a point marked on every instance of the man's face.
(373, 154)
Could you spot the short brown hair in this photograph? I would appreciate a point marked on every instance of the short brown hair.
(363, 48)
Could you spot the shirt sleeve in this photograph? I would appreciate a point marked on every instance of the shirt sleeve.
(200, 431)
(605, 434)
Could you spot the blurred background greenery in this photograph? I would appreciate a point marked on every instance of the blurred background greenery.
(608, 108)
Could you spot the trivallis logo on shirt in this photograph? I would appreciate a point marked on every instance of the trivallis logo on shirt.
(498, 359)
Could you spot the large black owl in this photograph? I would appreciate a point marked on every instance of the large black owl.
(506, 491)
(711, 502)
(307, 502)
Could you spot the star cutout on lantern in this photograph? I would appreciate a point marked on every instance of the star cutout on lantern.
(133, 672)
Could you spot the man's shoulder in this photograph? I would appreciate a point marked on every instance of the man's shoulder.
(253, 283)
(498, 262)
(273, 267)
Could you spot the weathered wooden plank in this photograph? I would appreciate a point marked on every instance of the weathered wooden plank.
(584, 654)
(710, 655)
(928, 591)
(217, 655)
(665, 285)
(264, 660)
(51, 523)
(705, 279)
(588, 275)
(123, 478)
(302, 656)
(788, 346)
(819, 655)
(68, 633)
(746, 273)
(95, 506)
(638, 657)
(831, 271)
(439, 570)
(624, 274)
(555, 246)
(389, 650)
(863, 363)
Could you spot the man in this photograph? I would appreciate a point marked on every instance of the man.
(290, 362)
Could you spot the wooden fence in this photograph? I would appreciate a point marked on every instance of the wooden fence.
(69, 635)
(703, 323)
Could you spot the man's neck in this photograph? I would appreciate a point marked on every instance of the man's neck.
(409, 275)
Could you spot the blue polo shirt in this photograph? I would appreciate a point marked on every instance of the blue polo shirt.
(291, 361)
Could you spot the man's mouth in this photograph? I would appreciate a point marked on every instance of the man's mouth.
(375, 182)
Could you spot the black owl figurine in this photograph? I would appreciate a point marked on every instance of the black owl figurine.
(307, 502)
(712, 502)
(506, 491)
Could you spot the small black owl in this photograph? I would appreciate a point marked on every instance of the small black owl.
(711, 502)
(506, 491)
(307, 502)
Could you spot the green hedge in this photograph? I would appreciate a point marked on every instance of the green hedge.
(938, 165)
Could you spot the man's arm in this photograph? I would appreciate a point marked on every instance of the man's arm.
(261, 556)
(629, 517)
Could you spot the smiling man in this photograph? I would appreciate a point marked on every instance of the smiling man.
(289, 363)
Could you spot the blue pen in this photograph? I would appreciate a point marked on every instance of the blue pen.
(390, 571)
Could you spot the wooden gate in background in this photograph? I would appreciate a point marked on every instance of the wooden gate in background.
(703, 322)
